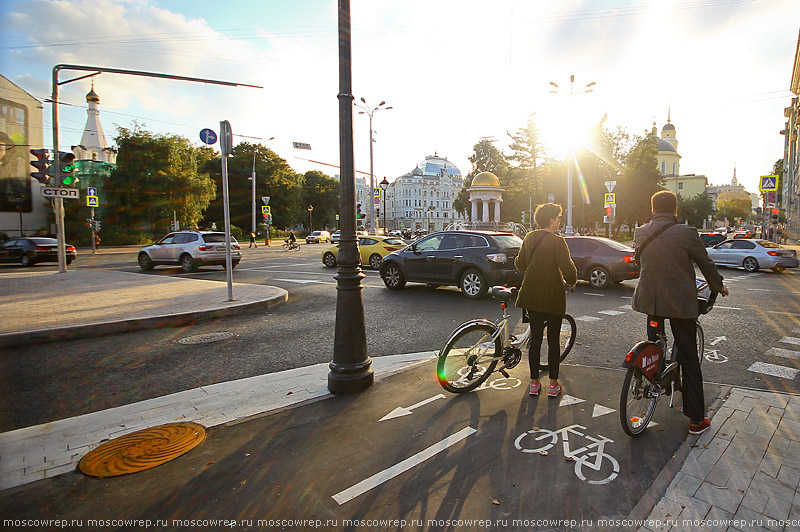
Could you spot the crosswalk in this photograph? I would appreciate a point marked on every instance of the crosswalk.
(779, 370)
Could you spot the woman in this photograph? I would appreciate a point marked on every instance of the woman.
(544, 257)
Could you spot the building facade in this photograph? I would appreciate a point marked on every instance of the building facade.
(790, 180)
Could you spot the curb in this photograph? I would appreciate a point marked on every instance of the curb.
(91, 330)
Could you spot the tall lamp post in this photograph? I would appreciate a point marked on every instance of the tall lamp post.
(384, 185)
(310, 224)
(572, 92)
(370, 112)
(430, 215)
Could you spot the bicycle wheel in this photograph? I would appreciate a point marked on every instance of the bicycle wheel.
(467, 358)
(701, 343)
(566, 341)
(636, 403)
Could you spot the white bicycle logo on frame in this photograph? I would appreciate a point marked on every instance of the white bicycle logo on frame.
(580, 459)
(500, 383)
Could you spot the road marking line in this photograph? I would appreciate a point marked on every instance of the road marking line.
(304, 281)
(759, 290)
(783, 353)
(626, 307)
(790, 340)
(780, 312)
(610, 312)
(727, 308)
(600, 410)
(587, 318)
(593, 294)
(774, 370)
(387, 474)
(570, 400)
(407, 410)
(626, 297)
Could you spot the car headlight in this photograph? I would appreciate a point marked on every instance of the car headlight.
(497, 257)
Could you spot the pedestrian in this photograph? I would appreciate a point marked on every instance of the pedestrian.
(544, 257)
(666, 253)
(96, 240)
(253, 240)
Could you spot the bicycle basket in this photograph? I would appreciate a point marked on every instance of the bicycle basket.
(705, 300)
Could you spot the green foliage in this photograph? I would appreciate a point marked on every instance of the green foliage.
(640, 179)
(734, 204)
(321, 192)
(155, 176)
(695, 210)
(523, 181)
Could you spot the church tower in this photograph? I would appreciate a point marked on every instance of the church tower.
(93, 145)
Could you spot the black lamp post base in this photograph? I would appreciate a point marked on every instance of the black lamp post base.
(350, 378)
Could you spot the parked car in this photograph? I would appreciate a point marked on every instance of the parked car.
(712, 239)
(372, 249)
(189, 250)
(27, 251)
(397, 233)
(602, 261)
(471, 260)
(317, 237)
(335, 236)
(753, 254)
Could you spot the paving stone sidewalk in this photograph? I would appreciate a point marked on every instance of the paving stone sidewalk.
(742, 474)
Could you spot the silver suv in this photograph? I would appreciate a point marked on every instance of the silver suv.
(189, 250)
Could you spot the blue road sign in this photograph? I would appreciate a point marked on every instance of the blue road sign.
(769, 182)
(91, 191)
(208, 136)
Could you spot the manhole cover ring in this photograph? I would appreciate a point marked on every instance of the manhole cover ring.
(142, 450)
(205, 338)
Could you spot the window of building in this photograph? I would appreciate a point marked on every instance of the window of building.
(663, 168)
(680, 186)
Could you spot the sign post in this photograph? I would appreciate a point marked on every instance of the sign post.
(226, 147)
(610, 205)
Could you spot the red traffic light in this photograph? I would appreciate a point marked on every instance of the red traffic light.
(776, 211)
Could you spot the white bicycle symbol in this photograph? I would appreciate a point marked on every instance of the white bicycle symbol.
(713, 355)
(500, 383)
(581, 460)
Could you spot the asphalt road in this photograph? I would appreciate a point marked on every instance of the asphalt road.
(755, 324)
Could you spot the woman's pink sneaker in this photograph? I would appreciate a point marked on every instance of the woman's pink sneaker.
(534, 389)
(554, 390)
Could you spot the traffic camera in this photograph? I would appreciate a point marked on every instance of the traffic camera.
(42, 165)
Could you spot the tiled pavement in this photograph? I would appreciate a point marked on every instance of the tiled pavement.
(742, 474)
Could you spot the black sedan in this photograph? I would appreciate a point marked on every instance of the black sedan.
(27, 251)
(471, 260)
(602, 261)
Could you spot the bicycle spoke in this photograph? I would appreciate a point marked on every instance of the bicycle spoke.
(468, 359)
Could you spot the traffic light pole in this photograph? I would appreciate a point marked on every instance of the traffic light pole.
(58, 203)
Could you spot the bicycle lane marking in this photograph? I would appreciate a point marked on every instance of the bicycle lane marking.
(389, 473)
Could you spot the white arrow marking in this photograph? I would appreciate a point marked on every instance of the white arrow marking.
(404, 411)
(387, 474)
(600, 410)
(570, 400)
(718, 339)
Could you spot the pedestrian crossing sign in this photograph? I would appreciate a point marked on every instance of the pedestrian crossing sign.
(265, 209)
(769, 183)
(611, 198)
(92, 201)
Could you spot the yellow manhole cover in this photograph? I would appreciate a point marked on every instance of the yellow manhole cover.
(143, 449)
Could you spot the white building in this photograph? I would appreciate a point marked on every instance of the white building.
(93, 146)
(423, 198)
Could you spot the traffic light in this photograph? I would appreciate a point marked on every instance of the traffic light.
(359, 214)
(609, 211)
(42, 164)
(67, 175)
(775, 215)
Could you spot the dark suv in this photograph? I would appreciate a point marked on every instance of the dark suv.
(471, 260)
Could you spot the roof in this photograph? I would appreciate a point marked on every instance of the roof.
(433, 165)
(663, 145)
(485, 179)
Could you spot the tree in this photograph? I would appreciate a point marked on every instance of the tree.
(734, 204)
(485, 158)
(156, 176)
(321, 192)
(695, 210)
(639, 180)
(523, 184)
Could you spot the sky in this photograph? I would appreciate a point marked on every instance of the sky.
(454, 72)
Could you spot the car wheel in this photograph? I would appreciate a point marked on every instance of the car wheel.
(750, 264)
(187, 263)
(25, 261)
(779, 269)
(69, 261)
(599, 277)
(225, 265)
(145, 262)
(375, 261)
(473, 284)
(393, 277)
(329, 260)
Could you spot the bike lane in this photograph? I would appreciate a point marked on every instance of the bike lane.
(402, 455)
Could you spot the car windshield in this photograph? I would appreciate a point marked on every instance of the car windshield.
(45, 241)
(768, 244)
(216, 237)
(508, 241)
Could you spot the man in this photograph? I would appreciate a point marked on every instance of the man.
(667, 289)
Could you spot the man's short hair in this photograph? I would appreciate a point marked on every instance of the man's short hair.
(546, 212)
(664, 201)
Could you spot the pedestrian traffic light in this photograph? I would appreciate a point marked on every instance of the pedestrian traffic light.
(775, 215)
(67, 174)
(359, 214)
(42, 165)
(609, 211)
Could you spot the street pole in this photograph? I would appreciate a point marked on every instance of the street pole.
(371, 183)
(253, 178)
(225, 136)
(351, 367)
(91, 223)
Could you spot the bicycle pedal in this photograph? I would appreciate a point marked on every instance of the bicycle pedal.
(504, 373)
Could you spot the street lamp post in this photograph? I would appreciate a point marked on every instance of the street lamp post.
(384, 185)
(370, 112)
(430, 215)
(572, 92)
(310, 224)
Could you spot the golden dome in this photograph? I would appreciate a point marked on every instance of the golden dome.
(485, 179)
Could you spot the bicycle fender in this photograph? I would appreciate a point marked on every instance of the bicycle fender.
(460, 328)
(645, 355)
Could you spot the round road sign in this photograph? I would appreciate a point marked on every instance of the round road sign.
(208, 136)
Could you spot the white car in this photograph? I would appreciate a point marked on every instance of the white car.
(317, 237)
(753, 254)
(189, 250)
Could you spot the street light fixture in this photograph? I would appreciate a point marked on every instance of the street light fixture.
(310, 224)
(572, 92)
(370, 112)
(384, 185)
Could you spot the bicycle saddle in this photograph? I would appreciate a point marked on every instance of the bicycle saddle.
(502, 293)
